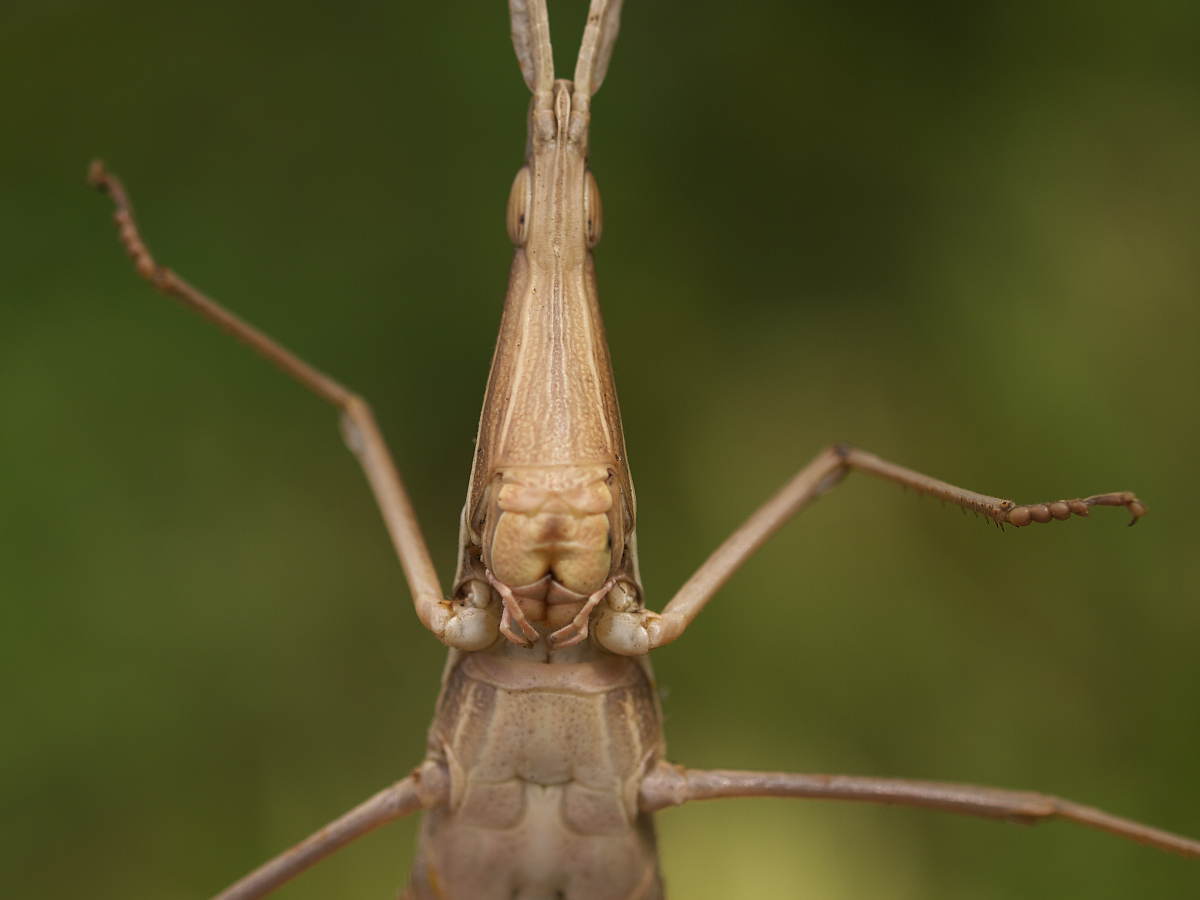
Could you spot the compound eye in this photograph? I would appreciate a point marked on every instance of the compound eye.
(520, 198)
(593, 211)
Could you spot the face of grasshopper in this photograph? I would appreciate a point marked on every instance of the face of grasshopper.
(550, 514)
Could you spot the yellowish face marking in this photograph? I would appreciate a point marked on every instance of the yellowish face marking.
(552, 521)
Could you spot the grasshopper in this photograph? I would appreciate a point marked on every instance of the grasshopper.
(546, 758)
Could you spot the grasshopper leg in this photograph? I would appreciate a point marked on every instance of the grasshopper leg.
(633, 633)
(669, 785)
(422, 789)
(456, 624)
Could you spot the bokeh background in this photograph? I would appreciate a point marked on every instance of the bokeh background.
(964, 236)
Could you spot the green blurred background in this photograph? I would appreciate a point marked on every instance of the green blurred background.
(964, 236)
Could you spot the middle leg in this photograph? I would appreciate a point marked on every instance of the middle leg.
(668, 785)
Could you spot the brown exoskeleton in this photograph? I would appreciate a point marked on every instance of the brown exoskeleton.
(546, 756)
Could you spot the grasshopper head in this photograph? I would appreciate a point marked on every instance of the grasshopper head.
(549, 518)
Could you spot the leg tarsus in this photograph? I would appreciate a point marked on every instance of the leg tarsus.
(996, 508)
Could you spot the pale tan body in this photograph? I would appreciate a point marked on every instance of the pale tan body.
(545, 765)
(546, 755)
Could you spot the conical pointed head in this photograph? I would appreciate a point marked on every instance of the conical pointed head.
(551, 496)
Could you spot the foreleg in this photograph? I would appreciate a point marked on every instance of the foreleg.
(461, 625)
(635, 633)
